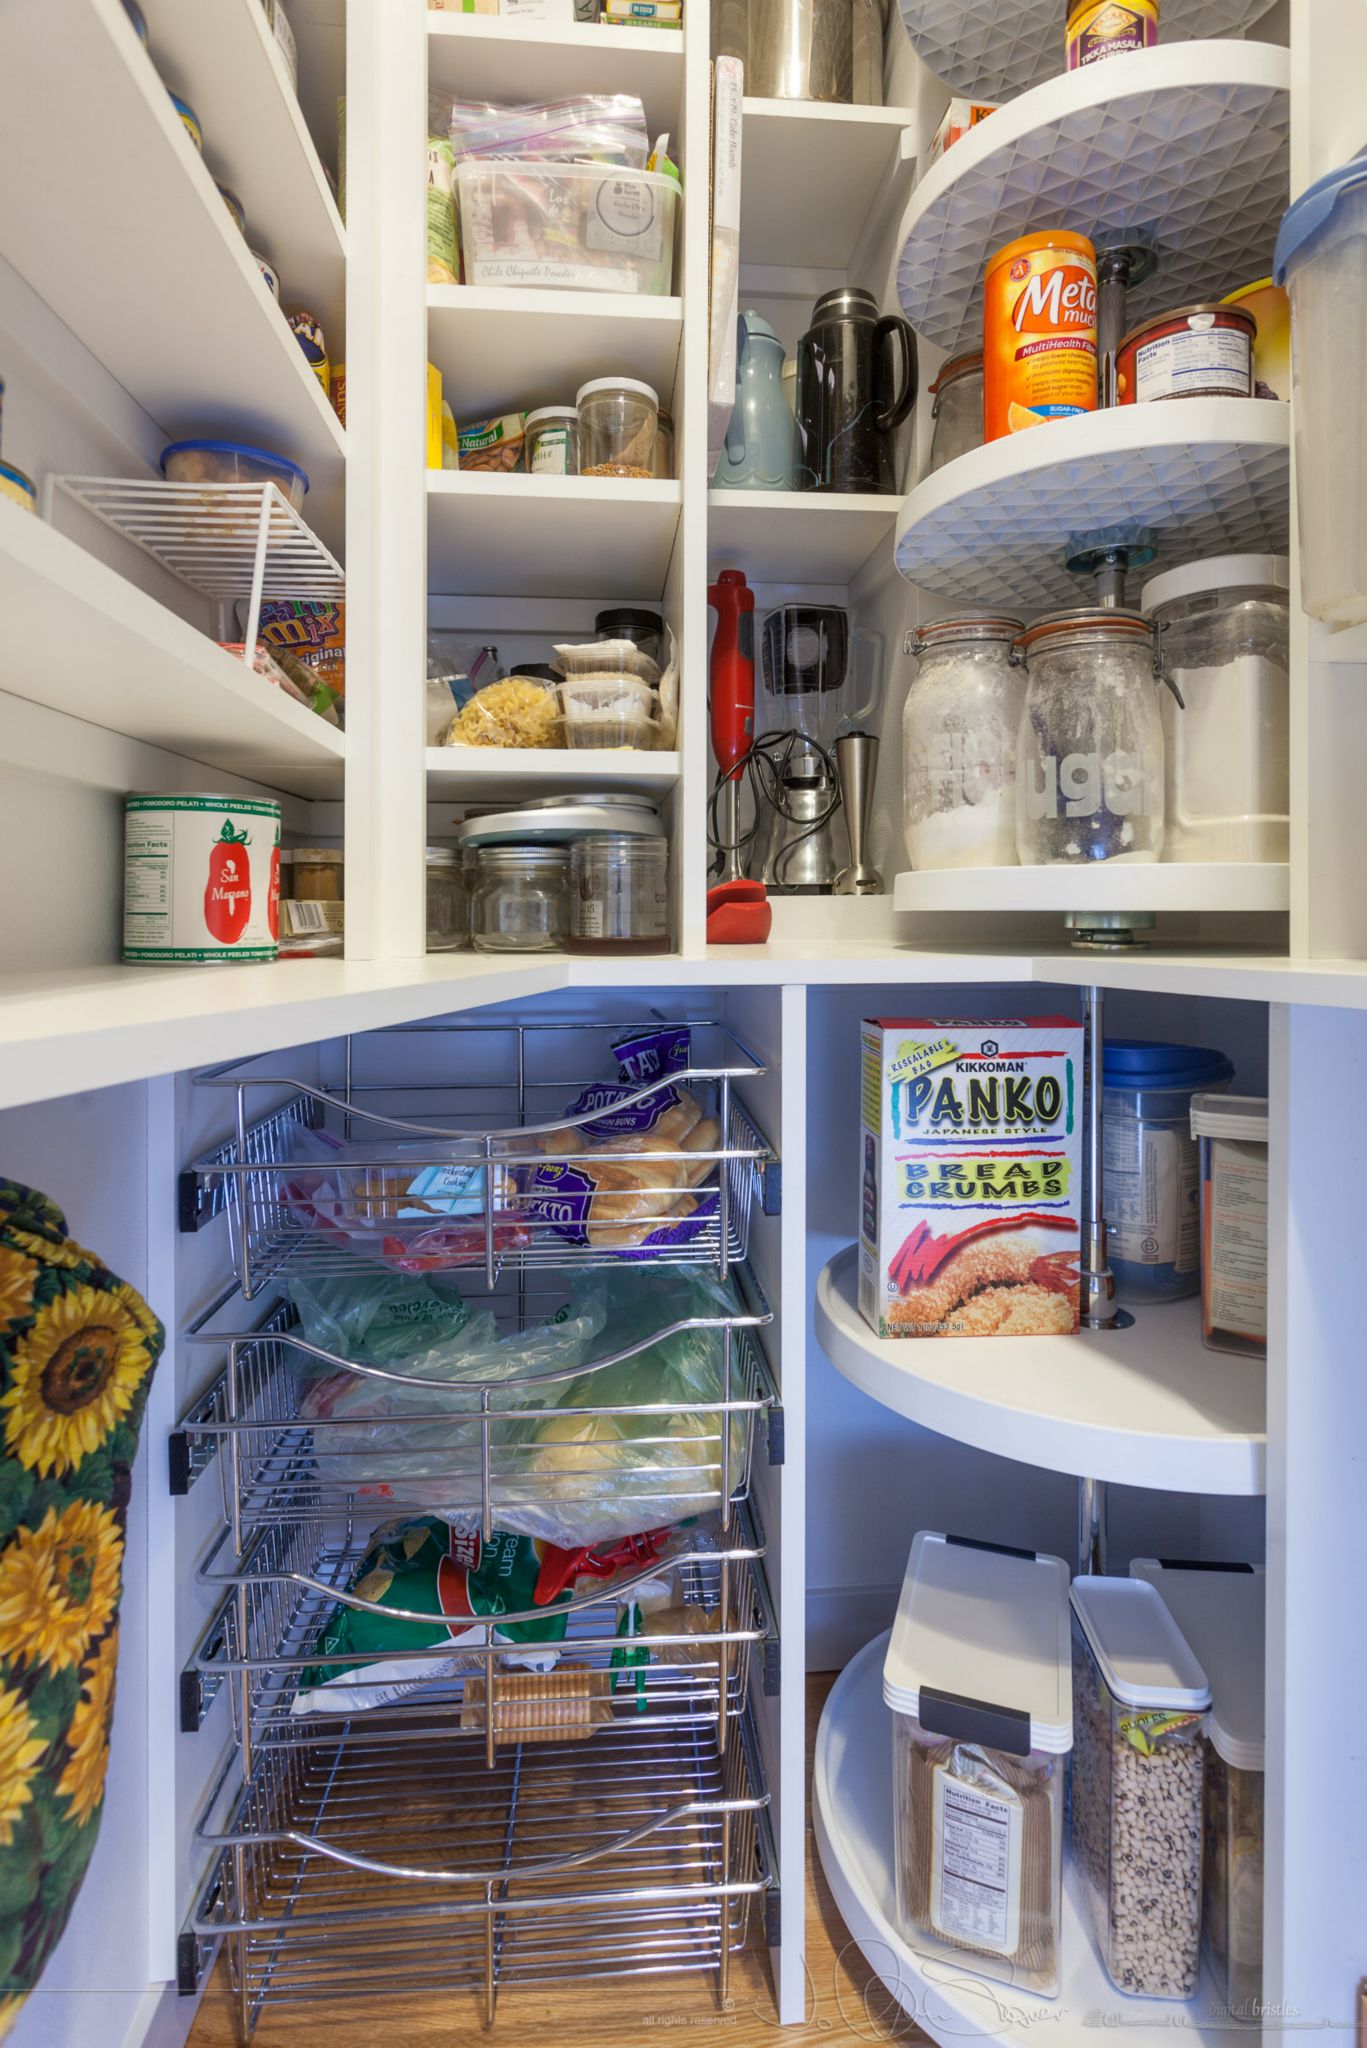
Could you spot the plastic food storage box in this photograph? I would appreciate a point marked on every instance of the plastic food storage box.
(1232, 1132)
(230, 462)
(589, 227)
(1220, 1610)
(977, 1676)
(610, 711)
(1138, 1781)
(1153, 1200)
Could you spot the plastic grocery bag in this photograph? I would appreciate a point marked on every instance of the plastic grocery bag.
(418, 1205)
(603, 128)
(379, 1317)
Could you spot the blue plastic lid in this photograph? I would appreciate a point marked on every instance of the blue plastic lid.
(16, 476)
(1311, 213)
(1148, 1063)
(265, 455)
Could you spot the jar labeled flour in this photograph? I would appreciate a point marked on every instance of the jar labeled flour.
(959, 731)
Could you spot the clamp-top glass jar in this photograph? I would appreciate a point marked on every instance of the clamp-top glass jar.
(958, 410)
(1089, 764)
(959, 730)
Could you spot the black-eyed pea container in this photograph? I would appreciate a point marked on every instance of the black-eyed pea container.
(1140, 1704)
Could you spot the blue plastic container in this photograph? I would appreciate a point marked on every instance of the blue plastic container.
(1152, 1166)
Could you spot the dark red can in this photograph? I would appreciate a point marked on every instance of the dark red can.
(1196, 352)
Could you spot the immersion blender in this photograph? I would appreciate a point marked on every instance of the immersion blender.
(731, 707)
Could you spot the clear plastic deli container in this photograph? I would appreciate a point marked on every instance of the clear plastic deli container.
(1322, 260)
(1232, 1132)
(1220, 1610)
(618, 419)
(978, 1679)
(584, 227)
(1140, 1698)
(610, 711)
(1153, 1180)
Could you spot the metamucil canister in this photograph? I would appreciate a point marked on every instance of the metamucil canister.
(1039, 332)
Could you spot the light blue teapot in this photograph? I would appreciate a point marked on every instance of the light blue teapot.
(760, 452)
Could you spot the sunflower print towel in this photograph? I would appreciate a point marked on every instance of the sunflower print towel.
(77, 1352)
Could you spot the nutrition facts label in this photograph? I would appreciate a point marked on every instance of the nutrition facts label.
(976, 1865)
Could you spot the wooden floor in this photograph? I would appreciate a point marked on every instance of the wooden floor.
(845, 2001)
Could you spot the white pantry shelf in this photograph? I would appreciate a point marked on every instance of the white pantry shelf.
(1202, 476)
(129, 243)
(500, 349)
(797, 536)
(81, 639)
(1148, 1406)
(1186, 148)
(490, 56)
(810, 174)
(492, 533)
(852, 1816)
(1100, 885)
(479, 773)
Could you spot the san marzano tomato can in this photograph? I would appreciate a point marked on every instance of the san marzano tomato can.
(1039, 332)
(201, 879)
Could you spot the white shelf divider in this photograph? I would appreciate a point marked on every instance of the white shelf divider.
(798, 536)
(499, 348)
(549, 536)
(811, 172)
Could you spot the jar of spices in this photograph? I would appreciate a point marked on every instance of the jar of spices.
(664, 445)
(317, 874)
(958, 410)
(959, 732)
(522, 899)
(550, 444)
(448, 913)
(619, 894)
(618, 421)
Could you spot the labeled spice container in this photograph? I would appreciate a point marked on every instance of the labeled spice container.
(318, 874)
(551, 441)
(959, 730)
(1221, 1611)
(1140, 1698)
(958, 410)
(617, 424)
(18, 488)
(1152, 1172)
(307, 330)
(1232, 1132)
(1109, 28)
(448, 909)
(189, 119)
(979, 1681)
(1039, 333)
(521, 899)
(1196, 352)
(619, 893)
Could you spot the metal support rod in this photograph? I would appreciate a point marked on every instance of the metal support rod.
(1091, 1528)
(1098, 1310)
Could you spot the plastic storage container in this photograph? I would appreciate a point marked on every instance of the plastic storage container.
(1140, 1698)
(448, 909)
(1232, 1132)
(959, 729)
(1221, 1611)
(1153, 1185)
(18, 488)
(231, 462)
(644, 629)
(521, 900)
(551, 444)
(1322, 260)
(618, 417)
(610, 711)
(978, 1678)
(619, 894)
(1225, 630)
(585, 227)
(958, 410)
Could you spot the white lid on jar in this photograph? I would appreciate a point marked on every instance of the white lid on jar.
(1220, 1610)
(631, 384)
(981, 1637)
(1221, 572)
(1230, 1116)
(560, 414)
(1145, 1659)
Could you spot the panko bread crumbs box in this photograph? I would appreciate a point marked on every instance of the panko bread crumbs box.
(971, 1140)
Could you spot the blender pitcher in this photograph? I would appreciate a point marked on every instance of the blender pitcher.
(822, 682)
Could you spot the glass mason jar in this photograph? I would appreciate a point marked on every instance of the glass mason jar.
(959, 731)
(448, 913)
(551, 441)
(618, 421)
(619, 894)
(958, 410)
(1090, 759)
(521, 902)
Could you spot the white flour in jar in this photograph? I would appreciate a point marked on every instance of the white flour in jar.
(967, 835)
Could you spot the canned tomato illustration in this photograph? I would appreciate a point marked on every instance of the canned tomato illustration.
(1039, 332)
(201, 878)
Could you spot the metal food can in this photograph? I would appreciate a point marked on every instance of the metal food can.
(201, 879)
(1039, 333)
(1197, 352)
(1109, 28)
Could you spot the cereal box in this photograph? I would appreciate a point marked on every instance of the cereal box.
(971, 1161)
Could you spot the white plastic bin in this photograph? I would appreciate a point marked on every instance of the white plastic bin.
(1322, 260)
(584, 227)
(978, 1679)
(1232, 1133)
(1220, 1610)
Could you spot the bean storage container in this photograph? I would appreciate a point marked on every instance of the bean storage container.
(551, 444)
(521, 899)
(448, 912)
(1232, 1132)
(1224, 630)
(619, 894)
(978, 1678)
(1322, 260)
(1153, 1186)
(1140, 1699)
(959, 729)
(583, 227)
(617, 422)
(958, 410)
(1220, 1610)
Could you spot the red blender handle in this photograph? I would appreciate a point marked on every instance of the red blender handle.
(731, 696)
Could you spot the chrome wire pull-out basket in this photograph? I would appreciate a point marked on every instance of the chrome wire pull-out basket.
(329, 1176)
(343, 1873)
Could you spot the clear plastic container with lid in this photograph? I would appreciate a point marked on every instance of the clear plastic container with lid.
(618, 418)
(619, 894)
(1224, 634)
(1089, 765)
(1153, 1183)
(958, 410)
(1221, 1611)
(1232, 1133)
(551, 441)
(521, 899)
(959, 731)
(1140, 1698)
(980, 1684)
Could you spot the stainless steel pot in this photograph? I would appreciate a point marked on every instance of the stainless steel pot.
(805, 49)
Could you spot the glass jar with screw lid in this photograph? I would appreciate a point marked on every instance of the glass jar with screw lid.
(521, 899)
(448, 910)
(619, 893)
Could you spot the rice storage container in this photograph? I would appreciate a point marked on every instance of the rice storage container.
(1220, 1610)
(1140, 1697)
(1232, 1131)
(1322, 260)
(1224, 630)
(1153, 1186)
(959, 729)
(958, 410)
(977, 1676)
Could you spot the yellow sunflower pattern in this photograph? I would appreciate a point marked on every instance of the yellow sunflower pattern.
(78, 1347)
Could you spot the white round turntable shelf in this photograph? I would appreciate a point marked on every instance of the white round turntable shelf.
(1187, 148)
(1100, 885)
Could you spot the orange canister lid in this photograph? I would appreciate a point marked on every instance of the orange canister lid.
(1049, 238)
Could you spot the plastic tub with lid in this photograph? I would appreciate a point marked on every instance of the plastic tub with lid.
(18, 488)
(618, 420)
(581, 227)
(232, 462)
(1153, 1186)
(1220, 1609)
(1322, 260)
(1224, 636)
(645, 629)
(1232, 1133)
(610, 711)
(1140, 1700)
(978, 1678)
